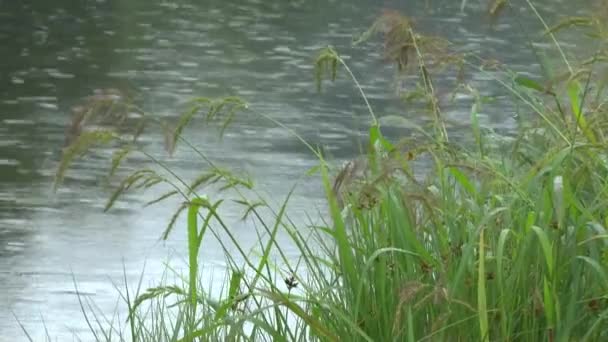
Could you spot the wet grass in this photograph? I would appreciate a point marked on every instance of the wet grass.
(502, 238)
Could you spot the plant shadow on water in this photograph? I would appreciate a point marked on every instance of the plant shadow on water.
(503, 238)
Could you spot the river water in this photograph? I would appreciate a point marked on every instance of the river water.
(54, 53)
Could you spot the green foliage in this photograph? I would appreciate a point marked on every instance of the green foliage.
(570, 22)
(403, 44)
(251, 206)
(326, 65)
(173, 220)
(83, 143)
(398, 36)
(496, 7)
(216, 175)
(155, 292)
(226, 107)
(501, 240)
(162, 197)
(144, 178)
(118, 157)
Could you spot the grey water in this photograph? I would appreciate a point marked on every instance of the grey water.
(55, 53)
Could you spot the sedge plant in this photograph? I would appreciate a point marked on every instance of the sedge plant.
(434, 239)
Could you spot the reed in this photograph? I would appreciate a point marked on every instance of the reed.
(502, 239)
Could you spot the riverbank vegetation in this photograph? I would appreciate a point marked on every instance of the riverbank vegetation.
(489, 238)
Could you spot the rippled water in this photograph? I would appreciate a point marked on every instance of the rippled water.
(54, 54)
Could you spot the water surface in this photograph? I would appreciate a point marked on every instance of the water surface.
(57, 52)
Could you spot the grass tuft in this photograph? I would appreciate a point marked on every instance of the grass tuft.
(430, 239)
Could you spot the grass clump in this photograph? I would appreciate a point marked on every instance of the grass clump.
(501, 239)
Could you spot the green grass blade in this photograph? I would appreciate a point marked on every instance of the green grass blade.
(482, 307)
(546, 248)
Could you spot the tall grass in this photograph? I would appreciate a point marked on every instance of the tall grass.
(503, 239)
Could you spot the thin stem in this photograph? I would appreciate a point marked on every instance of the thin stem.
(428, 85)
(358, 85)
(559, 48)
(523, 99)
